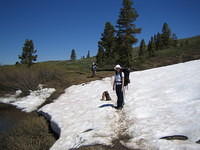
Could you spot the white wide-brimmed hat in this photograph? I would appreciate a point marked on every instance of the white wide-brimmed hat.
(117, 67)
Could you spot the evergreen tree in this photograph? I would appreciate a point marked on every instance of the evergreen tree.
(107, 44)
(158, 41)
(100, 55)
(28, 53)
(73, 55)
(88, 54)
(142, 48)
(175, 40)
(151, 47)
(126, 33)
(155, 41)
(166, 35)
(153, 44)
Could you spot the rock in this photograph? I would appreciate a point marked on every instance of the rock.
(175, 137)
(198, 142)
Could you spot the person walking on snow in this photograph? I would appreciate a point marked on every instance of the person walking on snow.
(118, 85)
(94, 69)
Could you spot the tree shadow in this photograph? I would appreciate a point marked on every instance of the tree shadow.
(107, 105)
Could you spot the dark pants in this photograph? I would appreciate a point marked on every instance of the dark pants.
(93, 73)
(120, 96)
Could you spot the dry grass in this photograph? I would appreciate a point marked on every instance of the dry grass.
(30, 132)
(55, 74)
(20, 77)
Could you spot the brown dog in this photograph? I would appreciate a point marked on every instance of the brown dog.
(105, 96)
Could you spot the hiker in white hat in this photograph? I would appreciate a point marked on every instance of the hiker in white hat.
(118, 85)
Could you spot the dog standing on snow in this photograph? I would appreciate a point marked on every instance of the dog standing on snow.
(105, 96)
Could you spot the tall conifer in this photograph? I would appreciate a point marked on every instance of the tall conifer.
(28, 55)
(126, 31)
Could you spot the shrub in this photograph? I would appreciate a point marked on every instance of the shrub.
(22, 78)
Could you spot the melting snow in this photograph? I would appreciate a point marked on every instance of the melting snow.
(30, 102)
(159, 102)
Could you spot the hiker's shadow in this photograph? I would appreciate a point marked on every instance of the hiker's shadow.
(107, 105)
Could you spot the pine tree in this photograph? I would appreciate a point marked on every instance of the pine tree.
(126, 33)
(175, 40)
(28, 53)
(155, 41)
(142, 48)
(151, 47)
(166, 35)
(100, 55)
(158, 41)
(107, 44)
(153, 44)
(73, 55)
(88, 54)
(108, 40)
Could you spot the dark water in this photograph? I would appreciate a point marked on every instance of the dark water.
(6, 123)
(9, 116)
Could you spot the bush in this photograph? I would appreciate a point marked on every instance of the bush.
(22, 78)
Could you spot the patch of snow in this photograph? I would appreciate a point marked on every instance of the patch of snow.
(82, 118)
(30, 102)
(159, 102)
(10, 98)
(164, 102)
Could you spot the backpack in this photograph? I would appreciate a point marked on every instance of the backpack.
(94, 67)
(126, 76)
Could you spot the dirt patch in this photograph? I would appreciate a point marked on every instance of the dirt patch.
(116, 146)
(122, 133)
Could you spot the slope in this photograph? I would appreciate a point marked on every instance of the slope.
(159, 102)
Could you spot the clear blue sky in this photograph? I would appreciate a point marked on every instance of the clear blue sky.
(58, 26)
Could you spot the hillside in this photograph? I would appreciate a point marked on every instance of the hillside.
(188, 49)
(31, 130)
(161, 112)
(62, 74)
(52, 74)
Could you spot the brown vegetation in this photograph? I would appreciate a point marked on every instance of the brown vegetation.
(29, 132)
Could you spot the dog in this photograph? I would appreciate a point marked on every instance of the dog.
(106, 96)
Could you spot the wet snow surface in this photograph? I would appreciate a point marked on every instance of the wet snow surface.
(30, 102)
(159, 102)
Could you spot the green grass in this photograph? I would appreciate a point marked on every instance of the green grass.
(54, 74)
(173, 55)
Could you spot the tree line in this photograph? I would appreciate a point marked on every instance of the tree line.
(73, 55)
(29, 56)
(159, 41)
(116, 43)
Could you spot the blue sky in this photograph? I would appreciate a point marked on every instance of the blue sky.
(58, 26)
